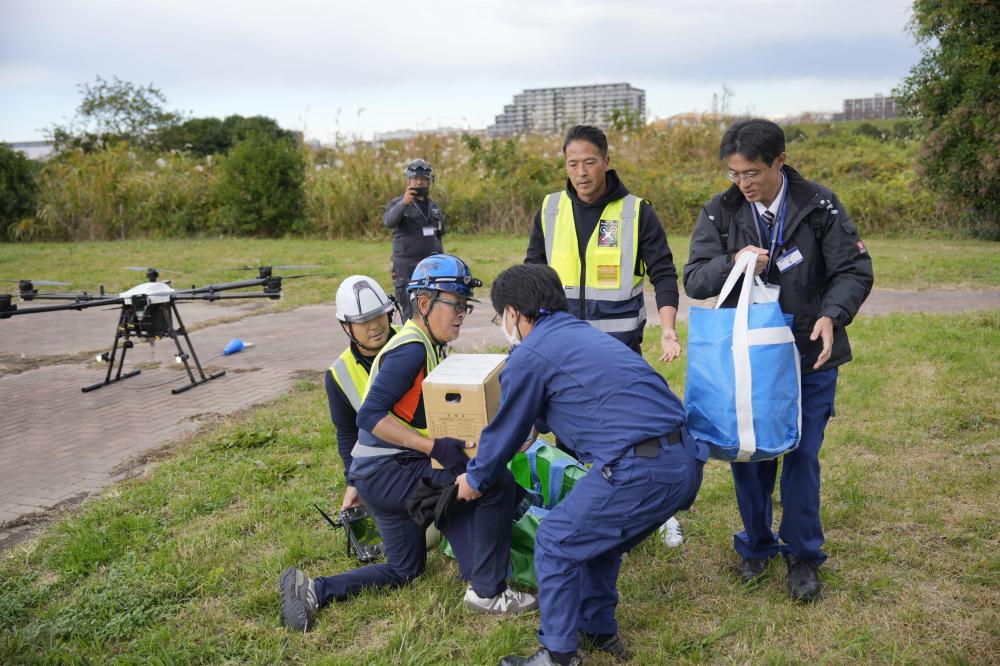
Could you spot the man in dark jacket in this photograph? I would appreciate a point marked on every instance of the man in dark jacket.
(417, 227)
(587, 233)
(806, 246)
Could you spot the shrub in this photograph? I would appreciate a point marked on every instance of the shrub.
(18, 189)
(260, 188)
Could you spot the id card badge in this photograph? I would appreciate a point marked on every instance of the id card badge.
(791, 258)
(428, 231)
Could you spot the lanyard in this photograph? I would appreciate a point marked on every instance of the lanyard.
(777, 235)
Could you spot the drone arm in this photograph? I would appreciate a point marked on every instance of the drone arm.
(215, 296)
(225, 286)
(6, 311)
(79, 298)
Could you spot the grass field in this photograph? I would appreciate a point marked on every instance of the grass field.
(899, 263)
(181, 566)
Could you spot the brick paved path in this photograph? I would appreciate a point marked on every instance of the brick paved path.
(59, 445)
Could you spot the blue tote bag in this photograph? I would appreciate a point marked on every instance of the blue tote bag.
(743, 391)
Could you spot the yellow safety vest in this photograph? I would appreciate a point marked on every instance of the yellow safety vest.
(351, 376)
(612, 252)
(408, 334)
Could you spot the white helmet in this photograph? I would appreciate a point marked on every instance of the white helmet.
(360, 298)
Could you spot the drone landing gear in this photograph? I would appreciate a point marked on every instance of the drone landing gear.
(183, 356)
(110, 358)
(124, 324)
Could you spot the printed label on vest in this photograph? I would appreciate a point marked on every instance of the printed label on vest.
(607, 233)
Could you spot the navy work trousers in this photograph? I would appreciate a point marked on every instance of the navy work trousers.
(479, 533)
(800, 529)
(579, 546)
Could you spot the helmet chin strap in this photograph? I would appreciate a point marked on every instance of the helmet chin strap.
(349, 329)
(427, 324)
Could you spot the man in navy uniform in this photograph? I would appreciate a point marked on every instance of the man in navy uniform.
(807, 246)
(611, 409)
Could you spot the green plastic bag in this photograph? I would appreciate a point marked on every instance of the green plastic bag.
(551, 474)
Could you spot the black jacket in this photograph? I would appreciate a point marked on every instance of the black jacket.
(834, 278)
(407, 223)
(653, 249)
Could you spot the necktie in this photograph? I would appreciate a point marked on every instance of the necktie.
(768, 218)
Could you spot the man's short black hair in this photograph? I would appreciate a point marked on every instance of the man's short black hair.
(754, 140)
(529, 289)
(587, 133)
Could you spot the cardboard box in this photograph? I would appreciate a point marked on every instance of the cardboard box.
(461, 395)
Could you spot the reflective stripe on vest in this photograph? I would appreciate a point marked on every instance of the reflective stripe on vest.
(610, 268)
(410, 333)
(351, 376)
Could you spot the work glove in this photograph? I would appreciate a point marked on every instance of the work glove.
(450, 452)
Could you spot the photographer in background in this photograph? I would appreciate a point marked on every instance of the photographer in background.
(417, 227)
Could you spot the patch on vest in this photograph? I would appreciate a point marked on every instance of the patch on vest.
(607, 276)
(607, 233)
(861, 248)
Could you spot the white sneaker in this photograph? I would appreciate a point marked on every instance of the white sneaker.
(508, 602)
(670, 533)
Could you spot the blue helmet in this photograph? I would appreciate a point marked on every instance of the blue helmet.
(444, 272)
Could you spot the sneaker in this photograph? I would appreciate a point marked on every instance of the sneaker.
(608, 643)
(508, 602)
(670, 533)
(544, 658)
(298, 600)
(751, 568)
(803, 578)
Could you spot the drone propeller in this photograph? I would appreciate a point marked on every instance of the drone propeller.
(146, 269)
(292, 277)
(278, 268)
(42, 283)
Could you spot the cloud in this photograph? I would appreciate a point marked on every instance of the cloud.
(204, 53)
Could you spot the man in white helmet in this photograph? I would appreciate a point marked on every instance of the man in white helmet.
(364, 311)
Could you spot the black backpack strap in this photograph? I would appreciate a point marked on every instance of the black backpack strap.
(721, 226)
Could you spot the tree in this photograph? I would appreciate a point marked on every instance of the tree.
(115, 111)
(954, 90)
(261, 187)
(211, 136)
(18, 189)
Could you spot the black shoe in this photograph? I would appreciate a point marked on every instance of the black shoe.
(298, 600)
(609, 643)
(751, 567)
(544, 658)
(803, 578)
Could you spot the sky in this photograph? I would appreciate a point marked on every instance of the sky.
(350, 69)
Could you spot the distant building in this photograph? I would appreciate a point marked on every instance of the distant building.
(34, 150)
(553, 110)
(878, 107)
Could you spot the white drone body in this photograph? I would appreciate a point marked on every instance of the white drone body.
(156, 292)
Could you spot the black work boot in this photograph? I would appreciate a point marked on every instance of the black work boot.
(751, 567)
(803, 578)
(609, 643)
(544, 658)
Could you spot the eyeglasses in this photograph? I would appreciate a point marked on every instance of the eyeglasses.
(750, 176)
(496, 319)
(460, 308)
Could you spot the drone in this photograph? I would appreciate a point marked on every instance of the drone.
(148, 311)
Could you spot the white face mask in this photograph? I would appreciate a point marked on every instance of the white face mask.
(513, 338)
